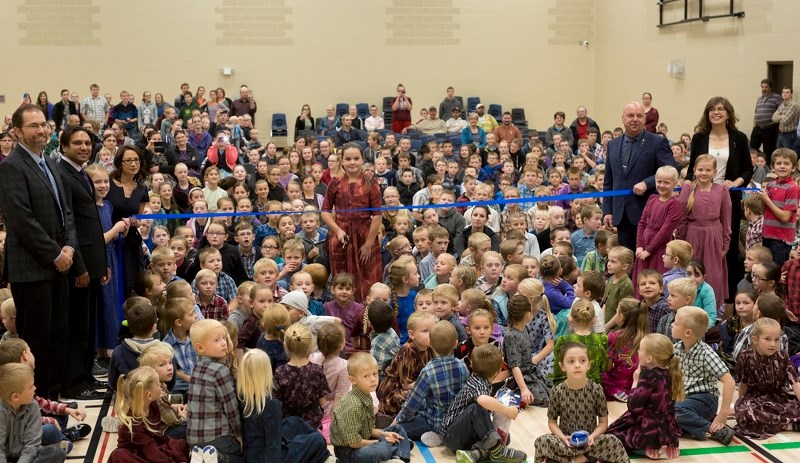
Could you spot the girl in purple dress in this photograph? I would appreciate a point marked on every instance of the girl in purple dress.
(649, 424)
(660, 218)
(623, 344)
(708, 223)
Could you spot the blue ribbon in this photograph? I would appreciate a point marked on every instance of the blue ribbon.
(562, 197)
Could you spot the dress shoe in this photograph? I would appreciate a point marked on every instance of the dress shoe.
(85, 392)
(98, 369)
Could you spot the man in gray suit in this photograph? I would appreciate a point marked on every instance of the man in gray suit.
(39, 246)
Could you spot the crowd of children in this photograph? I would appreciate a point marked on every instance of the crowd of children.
(530, 299)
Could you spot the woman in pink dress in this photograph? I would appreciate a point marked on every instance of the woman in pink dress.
(661, 216)
(353, 238)
(708, 224)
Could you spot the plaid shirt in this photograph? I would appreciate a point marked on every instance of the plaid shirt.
(353, 418)
(95, 109)
(217, 309)
(656, 312)
(248, 260)
(524, 193)
(475, 387)
(384, 347)
(226, 288)
(435, 388)
(701, 368)
(185, 357)
(669, 275)
(213, 410)
(754, 233)
(792, 285)
(744, 341)
(52, 407)
(594, 261)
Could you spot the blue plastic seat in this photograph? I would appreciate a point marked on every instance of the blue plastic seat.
(279, 127)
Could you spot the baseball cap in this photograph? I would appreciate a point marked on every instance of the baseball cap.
(296, 300)
(480, 105)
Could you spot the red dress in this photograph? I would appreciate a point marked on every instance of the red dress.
(345, 195)
(143, 446)
(659, 220)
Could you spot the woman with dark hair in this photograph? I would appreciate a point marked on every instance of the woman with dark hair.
(717, 135)
(44, 104)
(128, 196)
(477, 224)
(650, 113)
(305, 121)
(222, 99)
(183, 152)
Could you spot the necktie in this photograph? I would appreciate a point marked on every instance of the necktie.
(626, 153)
(53, 185)
(87, 179)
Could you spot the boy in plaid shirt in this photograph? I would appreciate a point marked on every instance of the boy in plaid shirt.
(384, 340)
(435, 388)
(467, 425)
(213, 418)
(211, 259)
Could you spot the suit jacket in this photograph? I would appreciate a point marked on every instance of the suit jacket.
(58, 112)
(650, 152)
(36, 231)
(90, 256)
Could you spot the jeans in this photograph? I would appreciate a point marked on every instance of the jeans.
(780, 250)
(416, 427)
(302, 443)
(695, 413)
(379, 451)
(472, 428)
(51, 434)
(787, 139)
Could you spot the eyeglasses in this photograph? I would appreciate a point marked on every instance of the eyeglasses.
(244, 234)
(216, 233)
(269, 246)
(759, 278)
(130, 161)
(43, 125)
(718, 109)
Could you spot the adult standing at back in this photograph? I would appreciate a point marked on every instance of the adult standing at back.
(94, 107)
(245, 104)
(39, 246)
(717, 135)
(401, 110)
(650, 113)
(787, 115)
(580, 126)
(765, 130)
(450, 103)
(88, 266)
(631, 163)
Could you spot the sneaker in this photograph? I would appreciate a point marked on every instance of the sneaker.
(469, 456)
(621, 396)
(723, 435)
(66, 446)
(77, 432)
(197, 455)
(99, 370)
(331, 459)
(431, 439)
(503, 454)
(210, 454)
(110, 424)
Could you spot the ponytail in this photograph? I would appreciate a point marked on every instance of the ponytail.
(676, 377)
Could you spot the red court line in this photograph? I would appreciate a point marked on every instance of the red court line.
(105, 440)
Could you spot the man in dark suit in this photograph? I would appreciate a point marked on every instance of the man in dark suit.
(63, 109)
(88, 266)
(39, 246)
(631, 163)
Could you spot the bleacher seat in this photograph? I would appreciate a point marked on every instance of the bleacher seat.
(416, 145)
(387, 104)
(279, 127)
(472, 102)
(361, 143)
(518, 117)
(383, 132)
(307, 133)
(496, 111)
(342, 109)
(426, 138)
(362, 110)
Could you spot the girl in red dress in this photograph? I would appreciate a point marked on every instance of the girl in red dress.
(353, 239)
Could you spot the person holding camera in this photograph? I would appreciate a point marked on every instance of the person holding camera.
(401, 110)
(156, 154)
(221, 154)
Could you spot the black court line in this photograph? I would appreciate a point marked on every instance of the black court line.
(97, 432)
(759, 449)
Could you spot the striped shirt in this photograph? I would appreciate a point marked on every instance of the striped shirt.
(435, 388)
(765, 108)
(701, 368)
(474, 388)
(784, 193)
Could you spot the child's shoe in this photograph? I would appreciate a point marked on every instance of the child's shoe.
(77, 432)
(431, 439)
(66, 446)
(502, 454)
(724, 435)
(110, 424)
(197, 455)
(210, 454)
(621, 396)
(470, 456)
